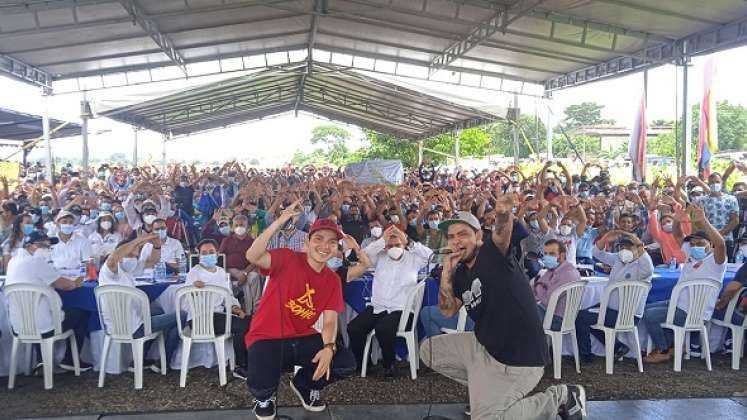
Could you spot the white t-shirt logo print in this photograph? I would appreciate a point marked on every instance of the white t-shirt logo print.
(473, 297)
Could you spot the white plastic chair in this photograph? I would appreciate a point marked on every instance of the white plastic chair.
(116, 304)
(200, 305)
(737, 330)
(412, 307)
(630, 295)
(461, 322)
(573, 293)
(700, 291)
(25, 299)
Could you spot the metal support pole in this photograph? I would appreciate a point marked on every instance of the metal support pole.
(45, 129)
(134, 147)
(420, 152)
(85, 114)
(166, 138)
(456, 149)
(549, 131)
(515, 129)
(686, 124)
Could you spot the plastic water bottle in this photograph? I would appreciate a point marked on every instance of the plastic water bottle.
(182, 265)
(740, 257)
(673, 264)
(159, 271)
(83, 269)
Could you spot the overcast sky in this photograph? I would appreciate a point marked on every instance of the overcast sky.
(274, 140)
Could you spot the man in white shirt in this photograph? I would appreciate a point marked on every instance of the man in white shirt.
(171, 249)
(120, 268)
(397, 261)
(706, 260)
(73, 248)
(31, 266)
(630, 262)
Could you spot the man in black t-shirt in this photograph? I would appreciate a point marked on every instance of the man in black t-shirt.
(504, 359)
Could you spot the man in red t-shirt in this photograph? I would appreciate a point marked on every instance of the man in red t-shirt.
(300, 289)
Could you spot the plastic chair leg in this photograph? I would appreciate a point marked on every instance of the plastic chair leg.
(609, 350)
(412, 355)
(104, 358)
(638, 349)
(574, 344)
(28, 354)
(557, 354)
(13, 363)
(186, 345)
(686, 349)
(679, 340)
(737, 339)
(220, 352)
(137, 360)
(706, 347)
(232, 360)
(162, 353)
(47, 351)
(366, 351)
(76, 356)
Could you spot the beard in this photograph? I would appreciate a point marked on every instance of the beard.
(469, 257)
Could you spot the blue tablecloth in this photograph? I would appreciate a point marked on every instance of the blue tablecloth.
(85, 299)
(358, 292)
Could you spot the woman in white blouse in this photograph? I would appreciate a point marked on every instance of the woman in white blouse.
(207, 273)
(105, 238)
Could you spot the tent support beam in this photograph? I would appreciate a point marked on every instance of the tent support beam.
(46, 92)
(687, 135)
(85, 115)
(19, 70)
(134, 146)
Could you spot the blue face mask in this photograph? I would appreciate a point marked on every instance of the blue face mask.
(106, 206)
(224, 230)
(209, 260)
(67, 229)
(345, 208)
(697, 252)
(94, 214)
(34, 218)
(334, 263)
(27, 229)
(119, 215)
(550, 261)
(44, 210)
(163, 234)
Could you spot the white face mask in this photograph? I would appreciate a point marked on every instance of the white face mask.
(667, 227)
(128, 264)
(240, 230)
(149, 219)
(376, 232)
(44, 254)
(395, 253)
(394, 219)
(626, 255)
(565, 230)
(106, 225)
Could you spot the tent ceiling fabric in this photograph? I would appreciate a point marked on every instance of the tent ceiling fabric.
(331, 91)
(19, 126)
(534, 41)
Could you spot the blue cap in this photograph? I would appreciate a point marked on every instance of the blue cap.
(39, 236)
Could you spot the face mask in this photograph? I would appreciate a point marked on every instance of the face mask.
(626, 255)
(583, 194)
(128, 264)
(120, 215)
(45, 254)
(345, 208)
(183, 184)
(307, 209)
(106, 225)
(240, 230)
(224, 230)
(413, 222)
(550, 261)
(667, 227)
(334, 263)
(715, 187)
(376, 232)
(514, 178)
(565, 230)
(534, 224)
(395, 253)
(44, 210)
(163, 234)
(209, 261)
(394, 219)
(34, 218)
(94, 214)
(106, 206)
(149, 219)
(67, 229)
(433, 224)
(697, 252)
(27, 229)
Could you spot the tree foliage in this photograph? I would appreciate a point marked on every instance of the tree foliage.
(586, 113)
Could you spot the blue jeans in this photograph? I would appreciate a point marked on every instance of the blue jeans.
(585, 320)
(165, 323)
(433, 321)
(654, 315)
(557, 321)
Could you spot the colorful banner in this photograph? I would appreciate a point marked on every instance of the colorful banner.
(637, 144)
(10, 170)
(708, 129)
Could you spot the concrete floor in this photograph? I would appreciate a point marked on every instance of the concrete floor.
(713, 409)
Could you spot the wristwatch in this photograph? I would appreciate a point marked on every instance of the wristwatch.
(332, 346)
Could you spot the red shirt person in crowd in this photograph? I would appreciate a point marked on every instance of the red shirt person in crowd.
(300, 289)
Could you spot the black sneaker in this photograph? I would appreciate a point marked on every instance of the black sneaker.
(310, 399)
(727, 345)
(621, 351)
(695, 350)
(390, 372)
(265, 410)
(239, 373)
(575, 407)
(467, 411)
(68, 365)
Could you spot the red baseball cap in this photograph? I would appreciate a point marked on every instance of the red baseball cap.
(322, 224)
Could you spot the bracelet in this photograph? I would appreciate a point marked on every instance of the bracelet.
(331, 346)
(156, 247)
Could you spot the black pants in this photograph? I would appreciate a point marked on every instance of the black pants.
(76, 320)
(268, 359)
(239, 327)
(385, 324)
